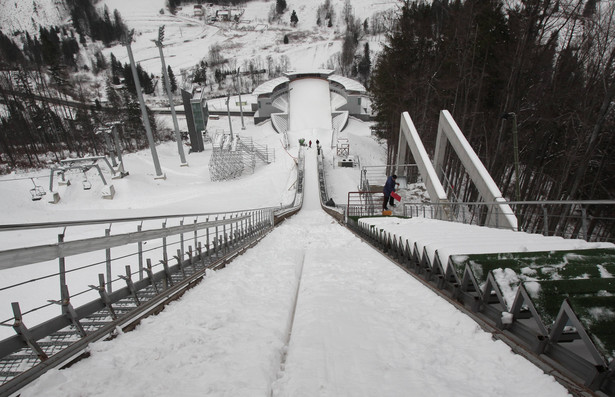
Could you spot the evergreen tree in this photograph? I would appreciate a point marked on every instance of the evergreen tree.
(172, 79)
(70, 48)
(32, 50)
(294, 19)
(172, 5)
(280, 6)
(106, 27)
(116, 67)
(285, 39)
(50, 46)
(365, 64)
(100, 62)
(113, 98)
(9, 51)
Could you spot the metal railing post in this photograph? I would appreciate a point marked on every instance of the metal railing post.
(207, 243)
(164, 243)
(108, 264)
(195, 233)
(140, 253)
(62, 272)
(181, 239)
(545, 223)
(584, 225)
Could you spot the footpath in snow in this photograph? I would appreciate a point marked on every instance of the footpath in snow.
(361, 327)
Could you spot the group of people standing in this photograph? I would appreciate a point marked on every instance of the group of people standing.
(317, 145)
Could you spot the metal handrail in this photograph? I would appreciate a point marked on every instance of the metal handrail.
(215, 243)
(573, 221)
(25, 256)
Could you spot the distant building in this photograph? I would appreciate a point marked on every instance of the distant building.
(197, 115)
(223, 15)
(198, 10)
(348, 98)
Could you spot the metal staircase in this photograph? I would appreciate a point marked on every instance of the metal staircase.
(231, 158)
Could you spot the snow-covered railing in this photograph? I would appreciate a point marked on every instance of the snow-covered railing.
(101, 275)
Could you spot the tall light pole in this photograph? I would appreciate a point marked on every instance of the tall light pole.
(243, 127)
(228, 111)
(516, 153)
(148, 127)
(178, 137)
(513, 115)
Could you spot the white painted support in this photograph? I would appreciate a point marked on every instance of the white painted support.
(500, 215)
(409, 137)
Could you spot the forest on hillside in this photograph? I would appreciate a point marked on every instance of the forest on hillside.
(58, 89)
(550, 63)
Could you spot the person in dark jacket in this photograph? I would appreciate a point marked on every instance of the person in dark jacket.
(389, 187)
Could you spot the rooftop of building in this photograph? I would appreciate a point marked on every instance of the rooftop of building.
(349, 85)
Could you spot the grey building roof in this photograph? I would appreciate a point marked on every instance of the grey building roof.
(348, 84)
(269, 86)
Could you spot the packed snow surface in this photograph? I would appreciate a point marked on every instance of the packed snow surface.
(358, 326)
(311, 310)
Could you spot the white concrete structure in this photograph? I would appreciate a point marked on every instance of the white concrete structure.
(499, 215)
(409, 138)
(346, 97)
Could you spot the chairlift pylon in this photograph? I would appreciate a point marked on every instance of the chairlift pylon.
(37, 192)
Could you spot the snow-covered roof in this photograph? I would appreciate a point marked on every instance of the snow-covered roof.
(299, 72)
(349, 84)
(269, 86)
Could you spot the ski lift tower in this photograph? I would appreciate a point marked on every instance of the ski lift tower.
(178, 137)
(148, 128)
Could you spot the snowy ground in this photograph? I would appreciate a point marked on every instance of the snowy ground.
(311, 310)
(360, 326)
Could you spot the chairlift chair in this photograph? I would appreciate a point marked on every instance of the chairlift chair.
(37, 192)
(87, 185)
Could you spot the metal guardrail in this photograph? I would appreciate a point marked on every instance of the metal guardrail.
(373, 177)
(108, 286)
(364, 203)
(118, 278)
(591, 220)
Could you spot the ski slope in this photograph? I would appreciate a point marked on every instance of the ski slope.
(310, 311)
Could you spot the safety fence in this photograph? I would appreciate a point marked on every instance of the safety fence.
(373, 177)
(364, 204)
(100, 282)
(72, 283)
(591, 220)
